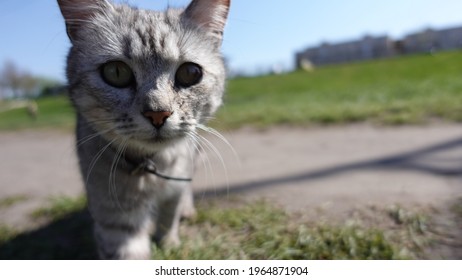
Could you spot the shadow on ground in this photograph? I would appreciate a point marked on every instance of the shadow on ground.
(426, 160)
(71, 236)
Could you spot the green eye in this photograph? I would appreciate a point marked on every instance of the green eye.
(117, 74)
(188, 74)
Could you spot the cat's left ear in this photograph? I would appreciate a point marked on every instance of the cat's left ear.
(209, 14)
(77, 12)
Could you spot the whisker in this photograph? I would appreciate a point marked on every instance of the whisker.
(191, 151)
(92, 136)
(209, 145)
(217, 134)
(88, 138)
(96, 158)
(212, 147)
(203, 155)
(103, 121)
(205, 158)
(210, 119)
(112, 174)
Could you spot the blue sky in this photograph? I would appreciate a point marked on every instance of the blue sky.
(259, 33)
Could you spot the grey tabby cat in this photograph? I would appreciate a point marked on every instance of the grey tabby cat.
(142, 83)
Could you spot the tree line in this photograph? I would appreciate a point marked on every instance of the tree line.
(18, 83)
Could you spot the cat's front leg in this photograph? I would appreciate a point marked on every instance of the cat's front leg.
(168, 217)
(168, 222)
(188, 210)
(119, 242)
(122, 227)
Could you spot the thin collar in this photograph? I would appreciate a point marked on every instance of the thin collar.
(148, 166)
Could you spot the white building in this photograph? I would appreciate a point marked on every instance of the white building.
(369, 47)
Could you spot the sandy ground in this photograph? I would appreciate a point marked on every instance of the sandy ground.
(318, 171)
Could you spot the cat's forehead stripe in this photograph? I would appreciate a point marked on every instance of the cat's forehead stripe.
(151, 33)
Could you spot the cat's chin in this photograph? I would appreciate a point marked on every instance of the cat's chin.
(155, 143)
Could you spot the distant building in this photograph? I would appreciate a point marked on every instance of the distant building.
(364, 49)
(431, 40)
(369, 47)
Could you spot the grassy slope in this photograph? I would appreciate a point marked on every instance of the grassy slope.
(54, 112)
(401, 90)
(409, 89)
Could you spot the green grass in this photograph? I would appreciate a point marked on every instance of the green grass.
(246, 231)
(259, 231)
(414, 229)
(6, 234)
(403, 90)
(54, 112)
(60, 207)
(9, 201)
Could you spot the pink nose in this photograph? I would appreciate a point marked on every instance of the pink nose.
(157, 118)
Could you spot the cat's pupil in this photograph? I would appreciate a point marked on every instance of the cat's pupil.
(117, 74)
(188, 74)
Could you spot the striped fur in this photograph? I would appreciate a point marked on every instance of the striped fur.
(112, 132)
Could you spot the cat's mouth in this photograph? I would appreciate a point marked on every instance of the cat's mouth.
(160, 137)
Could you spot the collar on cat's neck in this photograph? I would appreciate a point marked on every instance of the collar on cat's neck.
(147, 165)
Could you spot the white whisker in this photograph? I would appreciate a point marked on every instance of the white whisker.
(112, 174)
(191, 151)
(212, 148)
(96, 158)
(204, 156)
(217, 134)
(92, 136)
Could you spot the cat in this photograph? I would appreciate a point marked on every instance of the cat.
(142, 83)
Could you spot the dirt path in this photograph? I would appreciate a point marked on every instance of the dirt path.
(332, 171)
(345, 167)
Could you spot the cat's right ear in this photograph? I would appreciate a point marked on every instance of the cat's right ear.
(211, 15)
(77, 12)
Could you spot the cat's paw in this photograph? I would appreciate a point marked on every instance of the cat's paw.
(188, 213)
(170, 241)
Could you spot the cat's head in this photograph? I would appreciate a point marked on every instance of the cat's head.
(143, 75)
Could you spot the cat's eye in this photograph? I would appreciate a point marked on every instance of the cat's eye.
(188, 74)
(117, 74)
